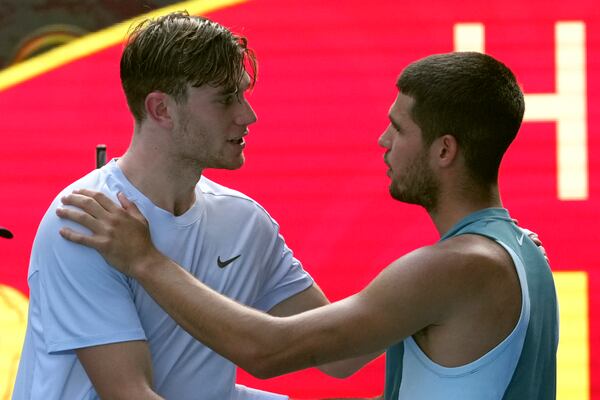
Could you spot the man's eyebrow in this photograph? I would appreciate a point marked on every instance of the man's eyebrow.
(228, 91)
(394, 123)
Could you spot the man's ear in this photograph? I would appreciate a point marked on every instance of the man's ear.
(445, 150)
(158, 109)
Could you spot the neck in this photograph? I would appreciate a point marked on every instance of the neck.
(162, 179)
(455, 205)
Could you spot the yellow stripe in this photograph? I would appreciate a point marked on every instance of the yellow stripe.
(13, 322)
(97, 41)
(573, 359)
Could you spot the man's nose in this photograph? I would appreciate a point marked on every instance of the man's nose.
(246, 114)
(384, 140)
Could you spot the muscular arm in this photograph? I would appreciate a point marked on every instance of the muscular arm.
(119, 370)
(409, 295)
(267, 346)
(309, 299)
(391, 308)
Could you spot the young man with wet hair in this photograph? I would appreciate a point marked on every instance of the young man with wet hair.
(473, 316)
(94, 332)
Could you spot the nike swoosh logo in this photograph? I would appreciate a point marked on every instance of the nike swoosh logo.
(224, 263)
(520, 240)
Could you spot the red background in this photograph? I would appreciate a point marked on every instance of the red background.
(327, 74)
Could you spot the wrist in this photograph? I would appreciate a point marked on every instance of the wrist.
(143, 268)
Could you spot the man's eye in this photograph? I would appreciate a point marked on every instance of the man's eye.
(228, 100)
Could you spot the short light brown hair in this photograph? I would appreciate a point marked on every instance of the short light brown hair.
(178, 50)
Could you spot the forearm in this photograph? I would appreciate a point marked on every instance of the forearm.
(357, 398)
(262, 344)
(310, 299)
(240, 334)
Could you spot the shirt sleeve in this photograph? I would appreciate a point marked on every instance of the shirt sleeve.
(283, 275)
(84, 302)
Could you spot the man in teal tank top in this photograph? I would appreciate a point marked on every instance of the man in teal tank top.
(473, 316)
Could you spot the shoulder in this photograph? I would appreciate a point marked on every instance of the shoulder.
(475, 259)
(233, 204)
(215, 189)
(98, 179)
(460, 268)
(459, 254)
(47, 240)
(473, 252)
(447, 281)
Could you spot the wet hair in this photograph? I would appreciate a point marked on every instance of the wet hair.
(471, 96)
(177, 50)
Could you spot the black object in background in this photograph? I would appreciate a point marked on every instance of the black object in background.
(100, 155)
(5, 233)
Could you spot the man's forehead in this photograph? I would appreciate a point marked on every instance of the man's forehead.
(238, 87)
(402, 104)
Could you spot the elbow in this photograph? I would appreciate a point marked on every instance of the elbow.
(262, 372)
(339, 373)
(271, 351)
(262, 364)
(265, 358)
(341, 369)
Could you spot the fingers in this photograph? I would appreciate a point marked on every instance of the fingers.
(84, 203)
(131, 208)
(536, 240)
(79, 238)
(533, 236)
(527, 232)
(99, 198)
(82, 218)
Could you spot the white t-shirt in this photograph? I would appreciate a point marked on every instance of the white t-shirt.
(226, 240)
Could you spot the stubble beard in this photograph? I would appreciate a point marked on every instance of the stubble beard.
(192, 143)
(189, 143)
(418, 185)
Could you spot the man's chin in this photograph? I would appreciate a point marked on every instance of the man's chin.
(427, 202)
(232, 165)
(402, 196)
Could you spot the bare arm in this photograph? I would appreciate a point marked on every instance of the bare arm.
(357, 398)
(309, 299)
(119, 370)
(391, 308)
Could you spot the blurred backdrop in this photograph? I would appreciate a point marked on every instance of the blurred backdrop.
(326, 80)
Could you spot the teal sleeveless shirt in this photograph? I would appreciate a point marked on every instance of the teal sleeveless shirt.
(534, 377)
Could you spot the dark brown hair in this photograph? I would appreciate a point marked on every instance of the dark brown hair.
(471, 96)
